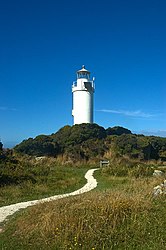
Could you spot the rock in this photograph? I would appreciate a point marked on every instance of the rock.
(158, 173)
(160, 189)
(157, 190)
(40, 158)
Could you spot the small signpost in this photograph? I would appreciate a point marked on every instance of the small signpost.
(104, 163)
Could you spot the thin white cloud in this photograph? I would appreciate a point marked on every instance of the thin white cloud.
(2, 108)
(137, 113)
(161, 133)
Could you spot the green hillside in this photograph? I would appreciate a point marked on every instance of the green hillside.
(93, 142)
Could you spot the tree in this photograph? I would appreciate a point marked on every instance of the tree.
(1, 147)
(42, 145)
(117, 131)
(77, 134)
(91, 141)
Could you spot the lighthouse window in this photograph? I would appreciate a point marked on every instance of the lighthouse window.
(83, 75)
(88, 86)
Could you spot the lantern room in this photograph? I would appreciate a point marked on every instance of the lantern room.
(83, 73)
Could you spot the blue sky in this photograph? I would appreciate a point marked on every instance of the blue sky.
(42, 45)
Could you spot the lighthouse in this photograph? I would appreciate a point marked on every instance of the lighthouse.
(83, 90)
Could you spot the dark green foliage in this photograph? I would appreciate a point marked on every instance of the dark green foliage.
(41, 145)
(67, 140)
(78, 133)
(81, 141)
(28, 178)
(94, 148)
(1, 146)
(74, 153)
(91, 141)
(89, 149)
(125, 144)
(142, 147)
(12, 171)
(125, 167)
(62, 137)
(117, 131)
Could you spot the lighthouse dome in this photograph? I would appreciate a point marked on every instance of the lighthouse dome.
(83, 73)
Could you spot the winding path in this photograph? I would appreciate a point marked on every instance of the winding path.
(11, 209)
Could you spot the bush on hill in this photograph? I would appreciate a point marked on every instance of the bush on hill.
(77, 134)
(91, 141)
(1, 146)
(41, 145)
(117, 131)
(66, 141)
(142, 147)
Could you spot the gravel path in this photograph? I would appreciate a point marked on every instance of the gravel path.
(11, 209)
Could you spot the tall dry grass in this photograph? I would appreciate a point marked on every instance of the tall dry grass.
(93, 220)
(126, 219)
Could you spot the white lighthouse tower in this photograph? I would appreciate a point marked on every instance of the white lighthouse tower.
(83, 90)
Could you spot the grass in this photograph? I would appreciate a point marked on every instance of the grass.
(107, 182)
(41, 180)
(120, 214)
(126, 184)
(95, 220)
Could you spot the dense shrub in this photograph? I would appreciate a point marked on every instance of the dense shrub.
(40, 146)
(1, 146)
(67, 140)
(91, 141)
(117, 131)
(126, 167)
